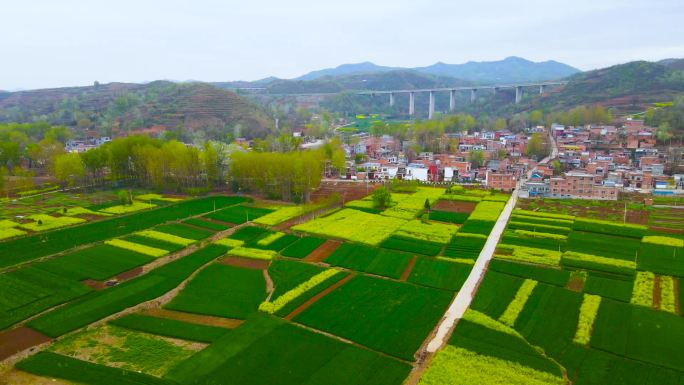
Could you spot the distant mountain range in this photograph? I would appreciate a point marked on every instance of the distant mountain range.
(214, 111)
(370, 76)
(509, 70)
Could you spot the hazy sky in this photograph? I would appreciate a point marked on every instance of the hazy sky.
(49, 43)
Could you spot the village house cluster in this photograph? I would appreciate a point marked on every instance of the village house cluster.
(600, 161)
(503, 160)
(592, 162)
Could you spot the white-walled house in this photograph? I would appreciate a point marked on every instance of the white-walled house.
(416, 171)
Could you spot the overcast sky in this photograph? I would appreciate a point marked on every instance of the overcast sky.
(48, 43)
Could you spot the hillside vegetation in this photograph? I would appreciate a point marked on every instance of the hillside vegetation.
(622, 85)
(123, 107)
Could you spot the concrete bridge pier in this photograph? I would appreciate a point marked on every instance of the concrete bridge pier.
(431, 109)
(518, 94)
(412, 103)
(541, 89)
(473, 95)
(452, 100)
(391, 95)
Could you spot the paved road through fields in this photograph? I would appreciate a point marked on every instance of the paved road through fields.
(465, 296)
(468, 290)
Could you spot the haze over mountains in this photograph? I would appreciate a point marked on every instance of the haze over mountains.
(370, 76)
(509, 70)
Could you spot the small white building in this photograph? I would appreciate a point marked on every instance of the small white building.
(416, 171)
(448, 174)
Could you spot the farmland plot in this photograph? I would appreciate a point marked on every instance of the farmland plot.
(154, 242)
(183, 231)
(238, 214)
(411, 245)
(439, 273)
(302, 247)
(295, 356)
(411, 205)
(661, 258)
(98, 305)
(491, 338)
(222, 290)
(640, 333)
(248, 233)
(40, 245)
(286, 275)
(548, 275)
(97, 262)
(427, 231)
(609, 246)
(170, 328)
(54, 365)
(389, 316)
(353, 225)
(549, 318)
(30, 290)
(44, 222)
(616, 288)
(370, 260)
(465, 245)
(126, 349)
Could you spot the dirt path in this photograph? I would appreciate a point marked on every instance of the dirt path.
(195, 226)
(323, 251)
(125, 276)
(407, 271)
(269, 284)
(656, 292)
(93, 284)
(304, 218)
(130, 274)
(678, 295)
(229, 323)
(318, 296)
(217, 221)
(18, 339)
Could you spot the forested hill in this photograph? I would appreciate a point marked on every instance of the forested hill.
(391, 80)
(626, 86)
(199, 108)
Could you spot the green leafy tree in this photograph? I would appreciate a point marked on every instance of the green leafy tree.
(69, 168)
(663, 133)
(537, 146)
(3, 175)
(124, 197)
(536, 117)
(557, 167)
(500, 124)
(476, 158)
(382, 198)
